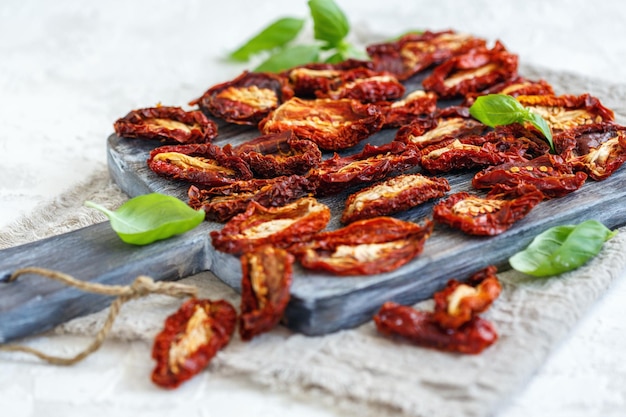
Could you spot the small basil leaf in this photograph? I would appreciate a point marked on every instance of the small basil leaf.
(497, 109)
(329, 22)
(541, 124)
(151, 217)
(290, 57)
(273, 36)
(561, 249)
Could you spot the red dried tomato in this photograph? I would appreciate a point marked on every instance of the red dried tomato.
(309, 78)
(265, 285)
(472, 71)
(331, 124)
(392, 196)
(222, 203)
(189, 340)
(169, 124)
(461, 154)
(203, 164)
(419, 328)
(487, 216)
(517, 139)
(597, 149)
(413, 53)
(419, 103)
(548, 173)
(445, 124)
(365, 247)
(278, 154)
(568, 111)
(247, 99)
(458, 303)
(279, 226)
(372, 164)
(514, 87)
(365, 86)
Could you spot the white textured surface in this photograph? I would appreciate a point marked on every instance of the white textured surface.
(68, 69)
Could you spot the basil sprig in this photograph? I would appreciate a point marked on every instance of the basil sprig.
(500, 109)
(330, 28)
(561, 249)
(151, 217)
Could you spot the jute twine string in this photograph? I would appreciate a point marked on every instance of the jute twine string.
(141, 287)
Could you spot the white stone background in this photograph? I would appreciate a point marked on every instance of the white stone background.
(69, 68)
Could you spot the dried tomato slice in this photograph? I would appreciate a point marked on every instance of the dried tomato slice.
(392, 196)
(202, 164)
(597, 149)
(189, 340)
(517, 139)
(247, 99)
(418, 103)
(278, 154)
(365, 247)
(331, 124)
(265, 285)
(372, 87)
(514, 87)
(548, 173)
(568, 111)
(487, 216)
(445, 124)
(222, 203)
(419, 328)
(472, 71)
(372, 164)
(462, 154)
(309, 78)
(458, 302)
(278, 226)
(413, 53)
(168, 124)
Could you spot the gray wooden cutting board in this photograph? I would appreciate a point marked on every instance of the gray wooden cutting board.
(320, 303)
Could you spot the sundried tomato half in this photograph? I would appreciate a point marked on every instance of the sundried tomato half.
(489, 215)
(462, 154)
(413, 53)
(278, 226)
(331, 124)
(167, 124)
(202, 164)
(190, 339)
(374, 163)
(392, 196)
(445, 124)
(459, 302)
(265, 289)
(247, 99)
(472, 71)
(418, 103)
(597, 149)
(365, 86)
(365, 247)
(420, 328)
(278, 154)
(222, 203)
(514, 87)
(548, 173)
(568, 111)
(309, 78)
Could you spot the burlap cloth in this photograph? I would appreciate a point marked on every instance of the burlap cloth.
(358, 370)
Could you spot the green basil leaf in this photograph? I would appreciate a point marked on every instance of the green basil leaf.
(329, 22)
(561, 249)
(273, 36)
(541, 124)
(290, 57)
(151, 217)
(497, 109)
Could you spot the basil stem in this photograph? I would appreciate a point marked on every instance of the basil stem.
(276, 35)
(500, 109)
(290, 57)
(151, 217)
(561, 249)
(329, 22)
